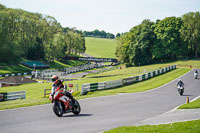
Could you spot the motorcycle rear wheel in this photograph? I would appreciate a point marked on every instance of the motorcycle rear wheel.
(58, 109)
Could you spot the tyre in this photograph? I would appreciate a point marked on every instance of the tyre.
(76, 108)
(181, 92)
(57, 108)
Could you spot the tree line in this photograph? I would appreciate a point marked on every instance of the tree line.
(36, 36)
(99, 34)
(169, 39)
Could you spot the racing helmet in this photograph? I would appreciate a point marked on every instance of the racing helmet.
(54, 78)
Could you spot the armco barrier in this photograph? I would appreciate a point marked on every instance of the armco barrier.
(13, 95)
(89, 87)
(2, 96)
(14, 74)
(101, 85)
(113, 84)
(126, 81)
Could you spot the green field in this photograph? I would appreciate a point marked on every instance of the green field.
(35, 91)
(102, 48)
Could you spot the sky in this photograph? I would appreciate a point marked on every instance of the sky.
(113, 16)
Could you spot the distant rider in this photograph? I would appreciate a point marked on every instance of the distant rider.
(180, 83)
(196, 73)
(59, 84)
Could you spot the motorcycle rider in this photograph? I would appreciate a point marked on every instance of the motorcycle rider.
(180, 83)
(59, 84)
(196, 73)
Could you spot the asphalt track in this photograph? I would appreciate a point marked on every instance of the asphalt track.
(101, 113)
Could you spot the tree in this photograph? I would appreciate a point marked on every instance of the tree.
(135, 46)
(168, 45)
(190, 32)
(118, 35)
(97, 33)
(35, 36)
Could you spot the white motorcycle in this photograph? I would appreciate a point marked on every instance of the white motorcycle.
(180, 89)
(195, 75)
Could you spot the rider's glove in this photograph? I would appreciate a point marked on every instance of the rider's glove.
(52, 95)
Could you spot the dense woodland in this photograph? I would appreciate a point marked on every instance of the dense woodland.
(169, 39)
(99, 34)
(35, 36)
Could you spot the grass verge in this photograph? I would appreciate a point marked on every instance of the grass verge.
(179, 127)
(193, 105)
(142, 86)
(35, 91)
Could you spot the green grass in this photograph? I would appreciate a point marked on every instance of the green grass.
(193, 105)
(34, 95)
(188, 63)
(35, 91)
(179, 127)
(102, 48)
(18, 68)
(121, 73)
(142, 86)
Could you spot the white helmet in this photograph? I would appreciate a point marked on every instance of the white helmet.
(54, 78)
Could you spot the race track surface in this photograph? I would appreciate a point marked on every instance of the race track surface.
(101, 113)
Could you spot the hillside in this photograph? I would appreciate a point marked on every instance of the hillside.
(99, 47)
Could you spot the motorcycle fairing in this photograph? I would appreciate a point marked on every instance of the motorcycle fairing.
(64, 98)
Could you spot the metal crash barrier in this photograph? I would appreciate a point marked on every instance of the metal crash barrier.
(6, 96)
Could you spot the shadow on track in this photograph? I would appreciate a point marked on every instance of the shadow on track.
(187, 95)
(80, 115)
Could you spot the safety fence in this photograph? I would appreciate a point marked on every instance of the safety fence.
(12, 95)
(89, 87)
(15, 74)
(75, 88)
(48, 73)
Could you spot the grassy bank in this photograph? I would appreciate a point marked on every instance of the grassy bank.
(179, 127)
(142, 86)
(18, 68)
(98, 47)
(193, 105)
(35, 91)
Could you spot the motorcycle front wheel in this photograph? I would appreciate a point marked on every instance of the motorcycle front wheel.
(180, 91)
(76, 109)
(57, 108)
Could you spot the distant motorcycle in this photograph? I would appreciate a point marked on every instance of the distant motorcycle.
(63, 104)
(180, 89)
(195, 75)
